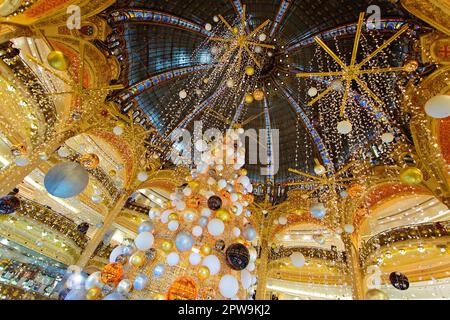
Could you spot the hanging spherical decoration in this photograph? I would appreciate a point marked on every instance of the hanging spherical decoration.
(112, 273)
(318, 210)
(146, 226)
(166, 245)
(208, 27)
(94, 294)
(219, 245)
(58, 60)
(216, 227)
(249, 99)
(376, 294)
(312, 92)
(142, 176)
(387, 137)
(158, 270)
(144, 241)
(262, 37)
(184, 241)
(83, 227)
(137, 259)
(237, 256)
(183, 94)
(223, 215)
(9, 204)
(172, 259)
(228, 286)
(140, 281)
(349, 228)
(438, 107)
(66, 180)
(297, 259)
(250, 71)
(344, 127)
(213, 264)
(124, 287)
(258, 95)
(205, 249)
(214, 203)
(411, 175)
(249, 233)
(319, 169)
(183, 288)
(203, 273)
(399, 280)
(90, 161)
(119, 128)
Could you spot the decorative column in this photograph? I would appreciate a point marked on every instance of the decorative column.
(354, 267)
(110, 217)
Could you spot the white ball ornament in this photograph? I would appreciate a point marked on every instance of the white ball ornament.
(144, 241)
(212, 263)
(118, 130)
(201, 145)
(206, 212)
(348, 228)
(142, 176)
(197, 231)
(216, 19)
(251, 267)
(318, 210)
(344, 127)
(438, 107)
(262, 37)
(228, 286)
(283, 220)
(230, 83)
(253, 254)
(21, 161)
(208, 27)
(258, 49)
(222, 183)
(183, 94)
(312, 92)
(195, 258)
(246, 279)
(216, 227)
(387, 137)
(297, 259)
(63, 152)
(172, 259)
(236, 232)
(173, 225)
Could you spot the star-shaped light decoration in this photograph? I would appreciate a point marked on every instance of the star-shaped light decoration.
(241, 39)
(353, 71)
(91, 95)
(323, 180)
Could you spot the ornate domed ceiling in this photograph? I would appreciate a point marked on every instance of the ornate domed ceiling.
(171, 48)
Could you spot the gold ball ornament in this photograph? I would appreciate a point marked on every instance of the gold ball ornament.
(205, 250)
(235, 30)
(249, 99)
(411, 175)
(411, 66)
(112, 173)
(223, 215)
(243, 172)
(159, 296)
(173, 216)
(203, 273)
(166, 246)
(258, 95)
(250, 71)
(94, 293)
(375, 294)
(58, 60)
(137, 259)
(90, 161)
(194, 185)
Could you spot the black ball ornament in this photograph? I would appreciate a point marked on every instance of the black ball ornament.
(9, 204)
(219, 245)
(214, 203)
(83, 227)
(237, 256)
(399, 280)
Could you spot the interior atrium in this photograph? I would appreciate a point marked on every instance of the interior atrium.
(224, 149)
